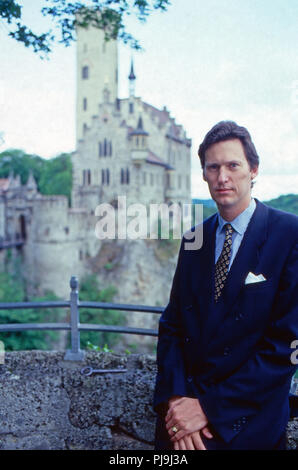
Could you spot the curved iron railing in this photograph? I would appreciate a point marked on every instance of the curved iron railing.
(74, 326)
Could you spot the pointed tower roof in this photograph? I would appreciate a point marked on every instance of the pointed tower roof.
(131, 76)
(139, 130)
(31, 183)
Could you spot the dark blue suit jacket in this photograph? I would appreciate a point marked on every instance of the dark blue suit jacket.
(235, 356)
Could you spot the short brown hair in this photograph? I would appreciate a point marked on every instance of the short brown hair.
(227, 130)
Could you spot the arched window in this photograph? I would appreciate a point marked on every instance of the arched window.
(85, 72)
(127, 176)
(110, 148)
(84, 104)
(105, 148)
(122, 176)
(131, 108)
(99, 149)
(108, 176)
(89, 176)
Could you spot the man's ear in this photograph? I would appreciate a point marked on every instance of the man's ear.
(254, 172)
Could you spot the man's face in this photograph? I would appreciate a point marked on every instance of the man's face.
(229, 176)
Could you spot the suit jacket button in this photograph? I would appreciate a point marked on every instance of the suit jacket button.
(227, 351)
(187, 339)
(189, 379)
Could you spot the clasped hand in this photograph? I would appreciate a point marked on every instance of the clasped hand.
(188, 417)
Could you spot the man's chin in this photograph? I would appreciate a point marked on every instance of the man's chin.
(224, 199)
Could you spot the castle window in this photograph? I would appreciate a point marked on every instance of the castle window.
(89, 176)
(99, 149)
(66, 229)
(80, 255)
(137, 140)
(110, 149)
(84, 127)
(105, 145)
(144, 178)
(179, 181)
(85, 72)
(124, 178)
(131, 108)
(151, 179)
(85, 104)
(105, 177)
(118, 104)
(168, 181)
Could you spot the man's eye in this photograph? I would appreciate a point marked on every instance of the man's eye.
(233, 165)
(212, 167)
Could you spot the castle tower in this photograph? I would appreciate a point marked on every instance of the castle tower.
(97, 72)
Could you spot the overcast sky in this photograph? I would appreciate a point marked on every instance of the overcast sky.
(205, 61)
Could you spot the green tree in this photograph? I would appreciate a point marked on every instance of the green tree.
(18, 162)
(56, 177)
(53, 176)
(64, 15)
(90, 291)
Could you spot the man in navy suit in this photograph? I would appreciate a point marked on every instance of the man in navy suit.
(226, 336)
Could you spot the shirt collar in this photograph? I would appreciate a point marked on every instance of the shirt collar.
(240, 222)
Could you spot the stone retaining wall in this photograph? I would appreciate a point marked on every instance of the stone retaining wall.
(46, 403)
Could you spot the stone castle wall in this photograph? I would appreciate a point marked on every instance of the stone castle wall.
(47, 404)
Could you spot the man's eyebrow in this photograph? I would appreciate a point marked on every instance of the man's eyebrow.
(224, 163)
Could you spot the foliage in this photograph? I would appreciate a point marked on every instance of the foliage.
(12, 290)
(107, 15)
(94, 347)
(90, 291)
(288, 203)
(53, 176)
(17, 162)
(57, 176)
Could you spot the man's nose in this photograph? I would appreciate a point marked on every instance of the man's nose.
(223, 175)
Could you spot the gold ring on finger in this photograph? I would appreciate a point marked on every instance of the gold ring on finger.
(174, 429)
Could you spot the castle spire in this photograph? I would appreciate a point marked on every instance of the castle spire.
(131, 78)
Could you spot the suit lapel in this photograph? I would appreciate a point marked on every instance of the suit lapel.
(245, 261)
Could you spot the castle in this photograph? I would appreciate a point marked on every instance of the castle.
(125, 147)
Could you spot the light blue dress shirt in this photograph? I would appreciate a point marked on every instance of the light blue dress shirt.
(239, 225)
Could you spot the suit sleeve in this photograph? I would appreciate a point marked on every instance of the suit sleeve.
(242, 394)
(171, 377)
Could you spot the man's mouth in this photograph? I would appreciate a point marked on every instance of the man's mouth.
(223, 190)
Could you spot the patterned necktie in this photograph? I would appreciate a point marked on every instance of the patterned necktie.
(222, 265)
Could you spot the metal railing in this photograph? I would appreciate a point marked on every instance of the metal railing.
(74, 325)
